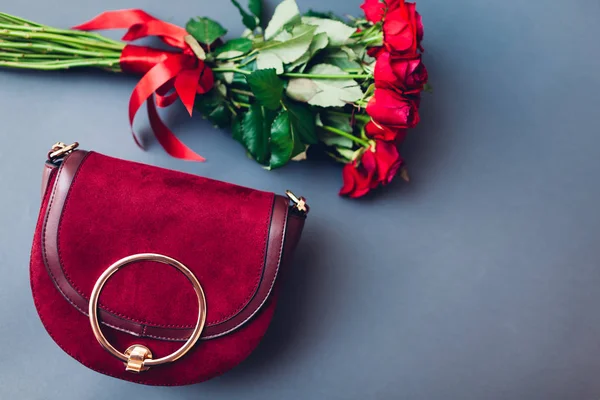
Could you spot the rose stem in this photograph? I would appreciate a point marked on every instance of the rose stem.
(345, 134)
(298, 75)
(55, 49)
(360, 117)
(61, 39)
(243, 92)
(60, 64)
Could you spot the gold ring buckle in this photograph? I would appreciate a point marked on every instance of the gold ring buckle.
(138, 358)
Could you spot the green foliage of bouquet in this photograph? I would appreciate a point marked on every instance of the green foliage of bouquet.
(312, 82)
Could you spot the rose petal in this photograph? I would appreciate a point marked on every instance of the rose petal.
(348, 176)
(381, 132)
(388, 161)
(374, 10)
(389, 108)
(400, 29)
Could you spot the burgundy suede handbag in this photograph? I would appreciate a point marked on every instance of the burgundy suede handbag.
(156, 276)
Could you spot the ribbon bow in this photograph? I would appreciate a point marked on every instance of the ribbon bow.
(167, 75)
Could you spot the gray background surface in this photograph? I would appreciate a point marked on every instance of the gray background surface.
(479, 280)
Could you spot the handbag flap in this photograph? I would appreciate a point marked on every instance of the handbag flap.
(103, 209)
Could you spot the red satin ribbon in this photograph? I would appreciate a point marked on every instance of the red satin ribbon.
(166, 75)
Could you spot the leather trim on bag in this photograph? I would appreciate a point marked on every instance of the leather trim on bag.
(46, 174)
(273, 255)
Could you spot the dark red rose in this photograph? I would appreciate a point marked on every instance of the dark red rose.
(405, 75)
(387, 160)
(400, 29)
(374, 10)
(386, 133)
(392, 109)
(359, 177)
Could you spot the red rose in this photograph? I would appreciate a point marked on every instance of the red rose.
(392, 109)
(386, 133)
(378, 165)
(406, 75)
(374, 10)
(400, 29)
(359, 177)
(387, 160)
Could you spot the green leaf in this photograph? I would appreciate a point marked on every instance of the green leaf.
(233, 48)
(340, 122)
(239, 78)
(334, 92)
(303, 121)
(285, 142)
(336, 121)
(269, 60)
(237, 130)
(292, 47)
(213, 106)
(327, 15)
(360, 52)
(338, 32)
(286, 13)
(205, 30)
(255, 129)
(301, 89)
(267, 87)
(220, 116)
(250, 21)
(340, 59)
(347, 153)
(333, 140)
(256, 8)
(318, 43)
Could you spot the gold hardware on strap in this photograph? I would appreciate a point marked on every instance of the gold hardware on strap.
(299, 202)
(138, 358)
(60, 150)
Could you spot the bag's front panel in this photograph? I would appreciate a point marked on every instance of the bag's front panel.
(114, 209)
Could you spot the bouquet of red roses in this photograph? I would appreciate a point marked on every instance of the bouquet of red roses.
(305, 83)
